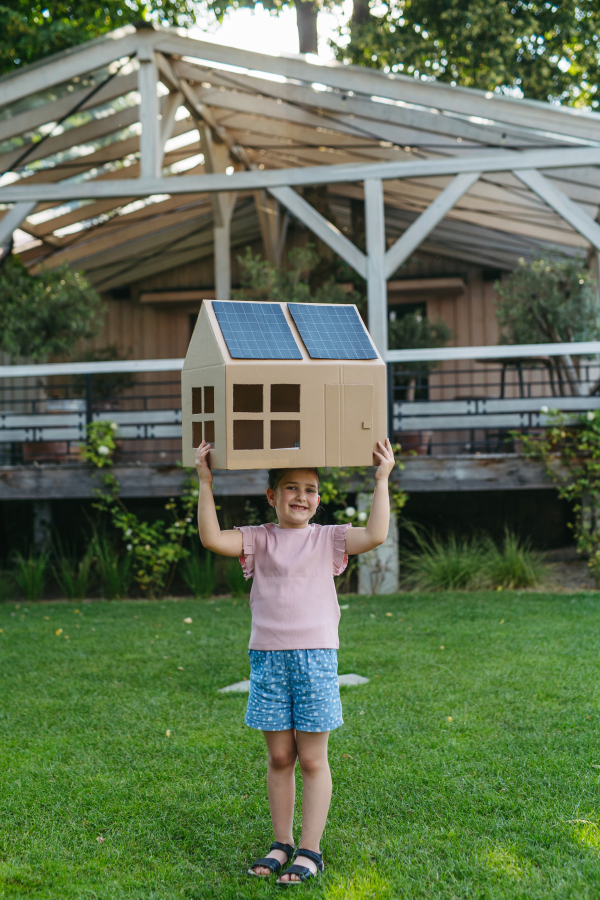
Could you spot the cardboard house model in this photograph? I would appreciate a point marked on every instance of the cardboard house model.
(272, 385)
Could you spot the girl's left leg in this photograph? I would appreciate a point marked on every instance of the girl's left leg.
(316, 793)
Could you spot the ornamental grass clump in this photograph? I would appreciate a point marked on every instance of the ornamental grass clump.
(29, 574)
(450, 564)
(199, 574)
(234, 576)
(114, 571)
(74, 577)
(513, 564)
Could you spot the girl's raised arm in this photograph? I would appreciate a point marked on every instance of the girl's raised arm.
(227, 543)
(359, 540)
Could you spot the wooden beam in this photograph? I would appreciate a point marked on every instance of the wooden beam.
(424, 225)
(172, 103)
(269, 178)
(52, 112)
(427, 284)
(563, 205)
(404, 88)
(376, 283)
(421, 473)
(176, 296)
(150, 145)
(13, 219)
(320, 226)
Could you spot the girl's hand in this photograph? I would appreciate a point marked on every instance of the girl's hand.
(386, 460)
(201, 463)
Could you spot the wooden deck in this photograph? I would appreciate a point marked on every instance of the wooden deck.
(493, 472)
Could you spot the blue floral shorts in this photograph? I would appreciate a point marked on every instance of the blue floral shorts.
(294, 689)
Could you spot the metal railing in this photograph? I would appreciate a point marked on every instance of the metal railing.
(455, 400)
(44, 409)
(471, 400)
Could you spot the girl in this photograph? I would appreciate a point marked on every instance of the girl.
(294, 695)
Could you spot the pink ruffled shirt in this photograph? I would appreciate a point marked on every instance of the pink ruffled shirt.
(293, 599)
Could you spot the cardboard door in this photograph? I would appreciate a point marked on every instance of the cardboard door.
(348, 424)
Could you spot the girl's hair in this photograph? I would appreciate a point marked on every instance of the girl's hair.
(277, 475)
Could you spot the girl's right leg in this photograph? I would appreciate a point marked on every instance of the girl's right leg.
(281, 786)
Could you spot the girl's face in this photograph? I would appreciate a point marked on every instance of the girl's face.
(295, 498)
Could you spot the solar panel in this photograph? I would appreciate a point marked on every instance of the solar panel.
(332, 332)
(256, 330)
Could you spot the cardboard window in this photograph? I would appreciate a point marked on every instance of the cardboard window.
(209, 400)
(248, 434)
(197, 401)
(285, 398)
(209, 432)
(285, 434)
(248, 398)
(196, 434)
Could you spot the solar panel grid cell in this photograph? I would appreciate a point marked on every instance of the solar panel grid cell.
(256, 330)
(332, 332)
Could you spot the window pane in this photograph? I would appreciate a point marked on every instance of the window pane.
(285, 434)
(209, 432)
(196, 401)
(248, 434)
(196, 434)
(248, 398)
(285, 398)
(209, 400)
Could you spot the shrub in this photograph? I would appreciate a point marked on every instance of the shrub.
(114, 571)
(449, 564)
(73, 577)
(199, 574)
(7, 585)
(513, 564)
(30, 574)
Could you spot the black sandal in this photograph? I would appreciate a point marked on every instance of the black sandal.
(269, 862)
(303, 871)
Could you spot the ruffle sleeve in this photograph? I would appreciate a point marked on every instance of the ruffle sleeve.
(340, 557)
(247, 557)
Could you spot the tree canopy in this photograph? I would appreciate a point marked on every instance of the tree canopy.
(31, 30)
(544, 50)
(47, 314)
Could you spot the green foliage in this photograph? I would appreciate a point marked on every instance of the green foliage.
(155, 547)
(31, 30)
(7, 585)
(100, 444)
(114, 571)
(29, 574)
(547, 51)
(548, 300)
(571, 457)
(471, 563)
(262, 281)
(234, 576)
(74, 577)
(198, 572)
(450, 564)
(415, 331)
(45, 314)
(513, 564)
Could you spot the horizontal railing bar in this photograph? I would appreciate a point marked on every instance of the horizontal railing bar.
(508, 351)
(92, 368)
(485, 406)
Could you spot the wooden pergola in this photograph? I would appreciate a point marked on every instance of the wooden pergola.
(146, 149)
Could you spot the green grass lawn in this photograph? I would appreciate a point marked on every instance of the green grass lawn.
(471, 771)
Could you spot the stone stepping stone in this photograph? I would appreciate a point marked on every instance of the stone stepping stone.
(242, 687)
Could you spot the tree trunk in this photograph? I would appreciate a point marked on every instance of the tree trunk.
(360, 13)
(306, 18)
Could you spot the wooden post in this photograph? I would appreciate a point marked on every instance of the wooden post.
(151, 148)
(379, 569)
(376, 281)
